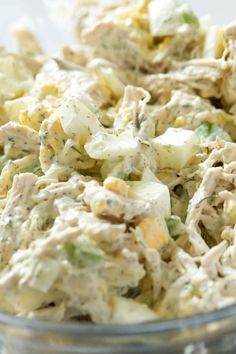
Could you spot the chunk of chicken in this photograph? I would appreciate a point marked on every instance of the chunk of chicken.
(114, 42)
(22, 139)
(16, 211)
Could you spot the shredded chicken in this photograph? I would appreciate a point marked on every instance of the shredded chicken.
(118, 167)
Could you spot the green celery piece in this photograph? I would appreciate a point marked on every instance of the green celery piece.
(190, 19)
(83, 256)
(33, 168)
(209, 132)
(175, 226)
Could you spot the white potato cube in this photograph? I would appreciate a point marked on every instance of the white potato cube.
(155, 193)
(175, 148)
(106, 146)
(78, 118)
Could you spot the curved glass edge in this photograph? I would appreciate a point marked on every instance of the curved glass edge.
(90, 330)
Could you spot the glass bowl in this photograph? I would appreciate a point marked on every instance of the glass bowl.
(211, 333)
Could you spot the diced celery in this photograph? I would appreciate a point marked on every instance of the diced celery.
(190, 19)
(175, 226)
(83, 255)
(34, 168)
(209, 132)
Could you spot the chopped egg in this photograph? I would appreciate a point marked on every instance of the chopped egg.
(155, 232)
(78, 118)
(155, 193)
(117, 186)
(166, 16)
(137, 312)
(175, 148)
(108, 146)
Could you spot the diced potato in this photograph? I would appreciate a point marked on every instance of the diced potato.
(155, 232)
(214, 43)
(131, 311)
(175, 148)
(153, 192)
(106, 146)
(78, 118)
(166, 16)
(116, 185)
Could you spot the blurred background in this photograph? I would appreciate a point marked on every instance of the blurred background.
(55, 30)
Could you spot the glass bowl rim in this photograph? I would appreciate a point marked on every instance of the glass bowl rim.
(74, 329)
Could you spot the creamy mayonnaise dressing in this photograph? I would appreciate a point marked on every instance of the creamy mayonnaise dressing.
(118, 167)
